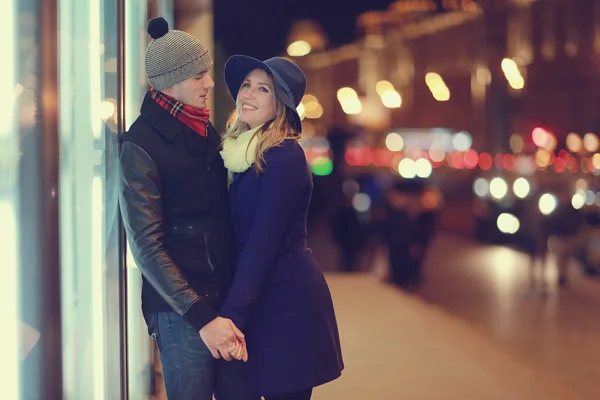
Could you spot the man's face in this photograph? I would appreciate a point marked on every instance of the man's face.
(193, 91)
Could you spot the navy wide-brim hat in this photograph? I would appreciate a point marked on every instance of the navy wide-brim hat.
(288, 79)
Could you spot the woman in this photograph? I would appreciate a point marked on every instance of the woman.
(279, 297)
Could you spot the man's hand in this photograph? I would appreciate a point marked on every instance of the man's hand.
(221, 334)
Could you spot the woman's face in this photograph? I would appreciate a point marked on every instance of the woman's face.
(256, 99)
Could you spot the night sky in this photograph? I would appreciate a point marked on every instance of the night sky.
(259, 28)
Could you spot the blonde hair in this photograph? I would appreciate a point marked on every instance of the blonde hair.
(271, 134)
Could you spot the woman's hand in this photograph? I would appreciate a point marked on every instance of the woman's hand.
(238, 351)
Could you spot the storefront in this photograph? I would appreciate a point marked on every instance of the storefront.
(73, 80)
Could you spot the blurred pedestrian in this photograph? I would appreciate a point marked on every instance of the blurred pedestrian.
(348, 235)
(565, 223)
(407, 231)
(535, 240)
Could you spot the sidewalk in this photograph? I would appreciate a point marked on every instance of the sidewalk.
(397, 347)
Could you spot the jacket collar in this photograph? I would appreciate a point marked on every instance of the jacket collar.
(169, 126)
(164, 123)
(214, 143)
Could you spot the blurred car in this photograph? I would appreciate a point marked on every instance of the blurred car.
(587, 252)
(509, 208)
(499, 206)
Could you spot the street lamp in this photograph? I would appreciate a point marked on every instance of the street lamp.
(299, 48)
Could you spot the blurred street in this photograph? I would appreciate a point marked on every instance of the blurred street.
(488, 287)
(475, 330)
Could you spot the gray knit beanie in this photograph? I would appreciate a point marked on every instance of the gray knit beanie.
(173, 56)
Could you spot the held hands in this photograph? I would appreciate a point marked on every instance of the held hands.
(238, 351)
(224, 339)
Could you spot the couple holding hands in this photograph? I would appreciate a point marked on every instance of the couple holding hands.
(231, 294)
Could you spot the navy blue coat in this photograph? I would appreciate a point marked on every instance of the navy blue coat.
(279, 297)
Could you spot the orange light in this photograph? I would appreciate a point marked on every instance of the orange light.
(540, 136)
(574, 142)
(551, 143)
(591, 142)
(543, 158)
(516, 143)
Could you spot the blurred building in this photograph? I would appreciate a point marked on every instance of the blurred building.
(489, 68)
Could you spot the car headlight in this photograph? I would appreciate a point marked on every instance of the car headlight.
(481, 187)
(578, 200)
(521, 187)
(547, 203)
(508, 223)
(498, 188)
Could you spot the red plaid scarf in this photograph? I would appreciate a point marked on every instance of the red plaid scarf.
(192, 117)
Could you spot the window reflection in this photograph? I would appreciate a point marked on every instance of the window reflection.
(89, 209)
(19, 200)
(89, 215)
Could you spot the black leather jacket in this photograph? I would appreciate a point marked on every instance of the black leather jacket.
(174, 203)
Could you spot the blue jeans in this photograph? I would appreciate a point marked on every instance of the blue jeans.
(189, 369)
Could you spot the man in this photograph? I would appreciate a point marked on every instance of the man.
(174, 202)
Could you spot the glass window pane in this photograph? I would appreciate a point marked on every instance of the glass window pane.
(12, 227)
(139, 345)
(89, 199)
(20, 183)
